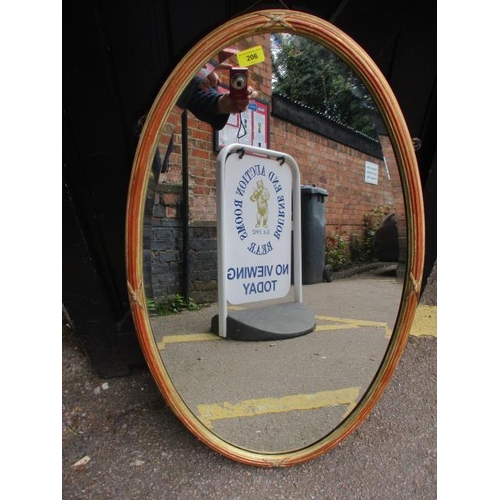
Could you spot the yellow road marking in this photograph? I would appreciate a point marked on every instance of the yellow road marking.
(189, 337)
(253, 407)
(355, 322)
(346, 323)
(425, 321)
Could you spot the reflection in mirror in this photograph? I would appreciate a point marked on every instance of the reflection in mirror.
(279, 396)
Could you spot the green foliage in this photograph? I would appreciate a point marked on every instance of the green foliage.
(371, 222)
(337, 252)
(308, 73)
(357, 249)
(174, 305)
(342, 252)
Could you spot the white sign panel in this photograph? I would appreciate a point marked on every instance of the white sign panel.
(371, 172)
(258, 206)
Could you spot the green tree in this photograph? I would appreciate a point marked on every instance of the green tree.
(308, 73)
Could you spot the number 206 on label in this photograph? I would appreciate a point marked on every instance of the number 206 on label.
(251, 56)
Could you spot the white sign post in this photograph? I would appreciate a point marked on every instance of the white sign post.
(256, 188)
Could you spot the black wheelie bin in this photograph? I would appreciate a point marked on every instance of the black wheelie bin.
(313, 221)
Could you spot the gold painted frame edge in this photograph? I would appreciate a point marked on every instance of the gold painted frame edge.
(228, 33)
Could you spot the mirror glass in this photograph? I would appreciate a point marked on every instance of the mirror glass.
(274, 397)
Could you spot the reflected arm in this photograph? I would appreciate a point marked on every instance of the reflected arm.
(203, 104)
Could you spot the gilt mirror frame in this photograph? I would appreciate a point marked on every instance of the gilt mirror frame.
(299, 23)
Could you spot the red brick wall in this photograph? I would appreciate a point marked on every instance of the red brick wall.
(329, 165)
(338, 169)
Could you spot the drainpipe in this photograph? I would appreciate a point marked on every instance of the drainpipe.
(185, 213)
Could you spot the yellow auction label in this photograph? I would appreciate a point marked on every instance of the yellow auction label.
(251, 56)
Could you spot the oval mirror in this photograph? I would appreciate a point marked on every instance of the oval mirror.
(261, 398)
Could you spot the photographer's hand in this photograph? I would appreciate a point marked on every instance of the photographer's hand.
(225, 105)
(212, 81)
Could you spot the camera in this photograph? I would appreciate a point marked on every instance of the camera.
(238, 83)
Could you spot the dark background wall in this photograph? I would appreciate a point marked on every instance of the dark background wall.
(115, 59)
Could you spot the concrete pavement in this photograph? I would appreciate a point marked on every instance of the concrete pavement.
(120, 441)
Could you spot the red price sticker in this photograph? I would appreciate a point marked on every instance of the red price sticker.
(251, 56)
